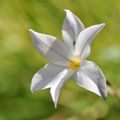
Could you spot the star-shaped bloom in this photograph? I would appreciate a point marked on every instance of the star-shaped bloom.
(68, 58)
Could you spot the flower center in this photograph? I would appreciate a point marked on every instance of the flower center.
(74, 64)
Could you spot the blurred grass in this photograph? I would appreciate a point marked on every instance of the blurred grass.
(19, 59)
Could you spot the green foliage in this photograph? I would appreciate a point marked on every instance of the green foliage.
(19, 59)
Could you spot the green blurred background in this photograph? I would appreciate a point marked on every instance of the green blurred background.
(19, 60)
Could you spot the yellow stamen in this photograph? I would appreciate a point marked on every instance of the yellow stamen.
(74, 64)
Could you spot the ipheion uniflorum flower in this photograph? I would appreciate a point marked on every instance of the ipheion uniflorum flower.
(68, 58)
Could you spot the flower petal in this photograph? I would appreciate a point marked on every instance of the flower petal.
(85, 38)
(91, 77)
(72, 26)
(58, 84)
(45, 76)
(51, 48)
(86, 52)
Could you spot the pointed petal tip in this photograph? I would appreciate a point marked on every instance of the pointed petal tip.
(55, 105)
(67, 11)
(31, 31)
(32, 88)
(33, 34)
(103, 96)
(101, 25)
(54, 102)
(103, 92)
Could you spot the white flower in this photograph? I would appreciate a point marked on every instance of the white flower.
(67, 59)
